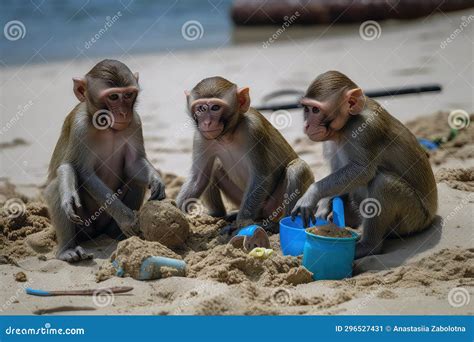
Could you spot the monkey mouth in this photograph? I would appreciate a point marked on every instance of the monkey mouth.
(212, 133)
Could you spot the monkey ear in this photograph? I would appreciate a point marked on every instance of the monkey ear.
(356, 100)
(243, 97)
(135, 74)
(80, 88)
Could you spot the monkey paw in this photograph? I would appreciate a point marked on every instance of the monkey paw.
(157, 188)
(74, 255)
(132, 226)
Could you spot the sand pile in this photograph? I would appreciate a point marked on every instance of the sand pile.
(436, 126)
(162, 221)
(20, 223)
(330, 230)
(461, 179)
(229, 265)
(129, 256)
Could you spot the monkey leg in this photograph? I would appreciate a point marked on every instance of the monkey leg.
(212, 196)
(298, 179)
(133, 197)
(397, 210)
(66, 230)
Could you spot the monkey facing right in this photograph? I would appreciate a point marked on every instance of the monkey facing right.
(377, 165)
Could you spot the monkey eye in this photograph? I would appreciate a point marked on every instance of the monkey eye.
(315, 110)
(306, 109)
(113, 97)
(128, 95)
(215, 108)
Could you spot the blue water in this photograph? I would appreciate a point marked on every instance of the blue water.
(63, 29)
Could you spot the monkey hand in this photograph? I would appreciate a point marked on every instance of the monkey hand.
(157, 188)
(324, 210)
(306, 206)
(69, 201)
(131, 226)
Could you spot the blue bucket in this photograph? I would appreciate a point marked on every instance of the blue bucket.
(329, 258)
(293, 235)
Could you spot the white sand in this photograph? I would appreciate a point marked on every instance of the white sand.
(405, 54)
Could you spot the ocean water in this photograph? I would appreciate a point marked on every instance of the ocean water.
(38, 31)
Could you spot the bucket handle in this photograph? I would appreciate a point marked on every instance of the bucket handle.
(338, 212)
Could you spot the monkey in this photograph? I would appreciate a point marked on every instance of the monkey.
(377, 165)
(99, 171)
(238, 153)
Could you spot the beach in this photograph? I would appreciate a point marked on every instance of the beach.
(415, 275)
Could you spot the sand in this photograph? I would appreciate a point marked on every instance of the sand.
(229, 265)
(330, 230)
(461, 179)
(428, 273)
(162, 221)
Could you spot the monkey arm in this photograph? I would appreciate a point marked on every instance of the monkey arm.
(344, 180)
(254, 197)
(142, 172)
(68, 191)
(198, 179)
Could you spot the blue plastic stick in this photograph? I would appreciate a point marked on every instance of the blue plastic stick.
(34, 292)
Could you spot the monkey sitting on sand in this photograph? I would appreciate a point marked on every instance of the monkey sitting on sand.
(375, 162)
(99, 171)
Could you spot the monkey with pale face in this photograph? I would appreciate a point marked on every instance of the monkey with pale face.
(375, 162)
(99, 172)
(238, 153)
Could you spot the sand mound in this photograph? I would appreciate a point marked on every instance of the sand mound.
(461, 179)
(129, 256)
(330, 230)
(19, 221)
(162, 221)
(233, 266)
(436, 126)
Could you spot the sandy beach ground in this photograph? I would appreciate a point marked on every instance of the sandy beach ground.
(430, 273)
